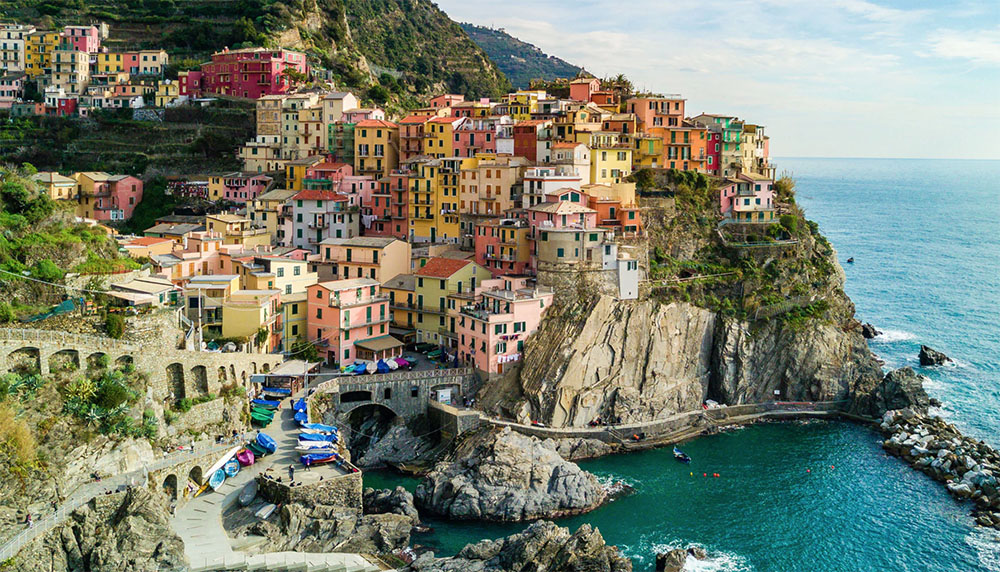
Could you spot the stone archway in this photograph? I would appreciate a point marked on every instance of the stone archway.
(170, 486)
(222, 375)
(64, 360)
(25, 360)
(175, 381)
(195, 475)
(98, 360)
(125, 362)
(199, 377)
(266, 368)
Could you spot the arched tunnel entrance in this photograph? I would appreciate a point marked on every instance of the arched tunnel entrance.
(368, 423)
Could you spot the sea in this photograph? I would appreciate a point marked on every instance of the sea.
(822, 496)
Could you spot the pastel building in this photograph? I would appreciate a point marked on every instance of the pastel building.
(237, 187)
(502, 246)
(378, 258)
(85, 39)
(251, 72)
(314, 216)
(747, 198)
(39, 48)
(107, 197)
(56, 186)
(348, 318)
(376, 144)
(236, 229)
(437, 284)
(493, 326)
(13, 46)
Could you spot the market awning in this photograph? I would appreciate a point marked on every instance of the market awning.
(379, 344)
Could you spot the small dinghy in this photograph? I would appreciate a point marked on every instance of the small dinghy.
(681, 456)
(302, 417)
(265, 511)
(232, 468)
(300, 405)
(256, 449)
(391, 362)
(382, 367)
(850, 260)
(318, 428)
(245, 457)
(266, 404)
(248, 493)
(371, 367)
(319, 458)
(216, 480)
(279, 392)
(266, 442)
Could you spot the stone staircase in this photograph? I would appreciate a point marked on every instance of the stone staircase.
(291, 561)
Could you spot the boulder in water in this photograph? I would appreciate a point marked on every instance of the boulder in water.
(398, 501)
(930, 356)
(869, 331)
(899, 389)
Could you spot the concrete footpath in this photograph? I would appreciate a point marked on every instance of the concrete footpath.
(208, 546)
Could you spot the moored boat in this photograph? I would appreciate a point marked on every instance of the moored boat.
(266, 442)
(265, 511)
(300, 405)
(317, 428)
(216, 480)
(317, 437)
(256, 449)
(681, 456)
(245, 457)
(248, 493)
(266, 403)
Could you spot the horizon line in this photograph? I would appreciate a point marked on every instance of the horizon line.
(778, 158)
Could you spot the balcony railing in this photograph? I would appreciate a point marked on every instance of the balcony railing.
(350, 324)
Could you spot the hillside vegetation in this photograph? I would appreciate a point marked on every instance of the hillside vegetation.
(520, 61)
(391, 50)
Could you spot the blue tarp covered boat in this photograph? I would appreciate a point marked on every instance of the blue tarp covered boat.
(318, 458)
(300, 405)
(361, 368)
(382, 367)
(277, 391)
(232, 467)
(302, 417)
(319, 427)
(266, 442)
(267, 403)
(316, 437)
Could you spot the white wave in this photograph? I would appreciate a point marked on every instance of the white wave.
(716, 561)
(615, 486)
(987, 546)
(889, 336)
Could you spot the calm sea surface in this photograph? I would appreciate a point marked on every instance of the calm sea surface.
(822, 496)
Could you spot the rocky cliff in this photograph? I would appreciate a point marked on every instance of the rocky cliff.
(122, 531)
(506, 476)
(720, 318)
(542, 546)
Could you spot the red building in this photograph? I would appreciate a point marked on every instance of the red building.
(713, 152)
(475, 136)
(526, 138)
(189, 83)
(251, 72)
(397, 186)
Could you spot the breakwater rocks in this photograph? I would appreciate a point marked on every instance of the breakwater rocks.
(542, 546)
(901, 388)
(501, 475)
(121, 531)
(969, 468)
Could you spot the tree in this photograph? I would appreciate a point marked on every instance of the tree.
(114, 324)
(6, 313)
(379, 94)
(305, 350)
(47, 270)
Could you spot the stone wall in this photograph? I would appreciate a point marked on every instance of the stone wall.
(206, 416)
(452, 421)
(406, 393)
(342, 491)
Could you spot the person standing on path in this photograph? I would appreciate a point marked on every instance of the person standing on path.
(291, 472)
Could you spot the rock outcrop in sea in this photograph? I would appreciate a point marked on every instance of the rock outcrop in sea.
(502, 475)
(384, 501)
(969, 468)
(111, 533)
(929, 356)
(869, 331)
(899, 389)
(542, 546)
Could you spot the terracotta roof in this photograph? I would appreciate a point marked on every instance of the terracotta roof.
(444, 119)
(415, 119)
(442, 267)
(147, 241)
(316, 195)
(531, 122)
(375, 123)
(561, 207)
(566, 145)
(326, 165)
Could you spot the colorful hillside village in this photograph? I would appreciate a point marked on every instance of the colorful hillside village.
(454, 226)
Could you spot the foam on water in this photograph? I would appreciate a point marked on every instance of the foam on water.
(889, 336)
(987, 546)
(717, 561)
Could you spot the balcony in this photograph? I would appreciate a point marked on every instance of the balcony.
(363, 302)
(350, 324)
(319, 224)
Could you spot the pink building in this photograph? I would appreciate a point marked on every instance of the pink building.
(475, 136)
(363, 114)
(502, 246)
(82, 38)
(329, 171)
(446, 100)
(492, 330)
(559, 214)
(747, 198)
(251, 72)
(11, 88)
(189, 83)
(197, 254)
(238, 187)
(106, 197)
(581, 89)
(349, 320)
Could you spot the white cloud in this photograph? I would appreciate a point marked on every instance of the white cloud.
(978, 46)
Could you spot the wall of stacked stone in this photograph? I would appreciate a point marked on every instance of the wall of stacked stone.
(343, 491)
(204, 417)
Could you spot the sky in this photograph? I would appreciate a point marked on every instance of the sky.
(828, 78)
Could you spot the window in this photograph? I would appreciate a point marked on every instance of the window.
(281, 272)
(319, 312)
(415, 391)
(296, 270)
(319, 293)
(560, 252)
(288, 288)
(387, 393)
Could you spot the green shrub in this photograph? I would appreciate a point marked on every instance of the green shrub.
(7, 314)
(184, 405)
(790, 222)
(169, 416)
(114, 324)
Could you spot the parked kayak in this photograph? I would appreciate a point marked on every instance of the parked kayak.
(245, 457)
(232, 468)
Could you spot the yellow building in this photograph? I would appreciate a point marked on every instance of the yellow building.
(486, 182)
(610, 156)
(438, 284)
(70, 71)
(376, 147)
(521, 104)
(269, 115)
(287, 275)
(434, 201)
(253, 315)
(265, 210)
(647, 152)
(376, 257)
(294, 309)
(56, 186)
(295, 171)
(439, 136)
(166, 92)
(237, 230)
(402, 300)
(39, 48)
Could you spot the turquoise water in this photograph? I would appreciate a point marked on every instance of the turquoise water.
(823, 496)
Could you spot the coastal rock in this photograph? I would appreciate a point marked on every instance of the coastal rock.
(579, 449)
(869, 331)
(505, 476)
(397, 501)
(542, 546)
(899, 389)
(929, 357)
(675, 560)
(122, 531)
(398, 445)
